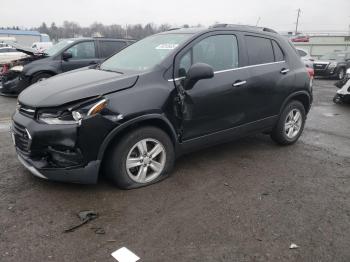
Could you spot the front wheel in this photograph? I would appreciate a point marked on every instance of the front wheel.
(40, 77)
(337, 99)
(290, 124)
(142, 157)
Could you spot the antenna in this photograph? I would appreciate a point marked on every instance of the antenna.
(297, 24)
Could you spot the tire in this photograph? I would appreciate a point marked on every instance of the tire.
(40, 77)
(337, 99)
(280, 132)
(341, 73)
(128, 147)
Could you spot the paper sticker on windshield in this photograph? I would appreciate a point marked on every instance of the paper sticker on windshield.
(167, 46)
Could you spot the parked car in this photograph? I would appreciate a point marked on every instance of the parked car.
(69, 54)
(306, 58)
(41, 46)
(300, 38)
(8, 54)
(333, 65)
(166, 95)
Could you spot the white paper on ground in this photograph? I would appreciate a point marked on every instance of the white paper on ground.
(124, 255)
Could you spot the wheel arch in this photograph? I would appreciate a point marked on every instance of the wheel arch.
(155, 120)
(46, 71)
(301, 96)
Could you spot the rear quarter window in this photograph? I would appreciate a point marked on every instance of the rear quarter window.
(108, 48)
(277, 50)
(260, 50)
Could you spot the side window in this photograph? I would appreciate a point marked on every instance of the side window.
(301, 52)
(279, 56)
(109, 48)
(259, 50)
(83, 50)
(219, 51)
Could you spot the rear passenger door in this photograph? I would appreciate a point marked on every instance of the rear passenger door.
(108, 48)
(268, 69)
(83, 54)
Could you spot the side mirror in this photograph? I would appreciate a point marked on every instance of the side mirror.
(66, 55)
(197, 72)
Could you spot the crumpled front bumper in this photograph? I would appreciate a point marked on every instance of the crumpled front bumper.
(14, 85)
(81, 175)
(66, 153)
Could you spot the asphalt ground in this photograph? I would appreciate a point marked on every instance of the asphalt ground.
(248, 200)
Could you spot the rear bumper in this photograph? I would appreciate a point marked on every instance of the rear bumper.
(81, 175)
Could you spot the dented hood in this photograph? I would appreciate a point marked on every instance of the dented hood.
(75, 85)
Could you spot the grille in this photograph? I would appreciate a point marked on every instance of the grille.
(320, 66)
(27, 111)
(21, 137)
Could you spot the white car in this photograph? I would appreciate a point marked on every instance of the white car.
(41, 46)
(306, 58)
(8, 54)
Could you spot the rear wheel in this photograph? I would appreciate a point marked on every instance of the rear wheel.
(341, 73)
(290, 124)
(40, 77)
(142, 157)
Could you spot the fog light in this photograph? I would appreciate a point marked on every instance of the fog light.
(77, 116)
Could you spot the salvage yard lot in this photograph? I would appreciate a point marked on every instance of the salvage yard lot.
(248, 200)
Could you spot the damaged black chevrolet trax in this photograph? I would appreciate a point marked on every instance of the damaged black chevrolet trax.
(168, 94)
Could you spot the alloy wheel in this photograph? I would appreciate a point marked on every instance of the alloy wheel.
(146, 160)
(293, 123)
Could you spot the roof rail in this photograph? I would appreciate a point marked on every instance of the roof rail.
(174, 28)
(265, 29)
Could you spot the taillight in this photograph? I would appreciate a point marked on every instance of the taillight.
(311, 72)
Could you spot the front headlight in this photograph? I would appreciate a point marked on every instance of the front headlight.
(332, 65)
(18, 68)
(72, 115)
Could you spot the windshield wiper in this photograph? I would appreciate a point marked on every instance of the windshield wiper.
(109, 70)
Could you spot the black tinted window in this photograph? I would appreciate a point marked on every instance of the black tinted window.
(219, 51)
(259, 50)
(278, 51)
(109, 48)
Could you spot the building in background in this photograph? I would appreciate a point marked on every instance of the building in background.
(319, 44)
(23, 37)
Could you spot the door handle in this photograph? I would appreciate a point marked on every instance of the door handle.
(239, 83)
(284, 71)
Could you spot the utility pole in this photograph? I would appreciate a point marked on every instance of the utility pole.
(257, 22)
(297, 24)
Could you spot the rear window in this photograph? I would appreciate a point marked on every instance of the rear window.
(108, 48)
(259, 50)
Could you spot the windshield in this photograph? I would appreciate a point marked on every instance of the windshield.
(53, 50)
(334, 56)
(145, 53)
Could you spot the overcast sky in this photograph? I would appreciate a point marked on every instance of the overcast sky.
(278, 14)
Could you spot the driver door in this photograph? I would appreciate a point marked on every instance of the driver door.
(218, 103)
(83, 54)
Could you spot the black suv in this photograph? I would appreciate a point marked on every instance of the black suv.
(163, 96)
(333, 65)
(68, 54)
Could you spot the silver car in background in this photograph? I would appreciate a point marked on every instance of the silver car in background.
(306, 57)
